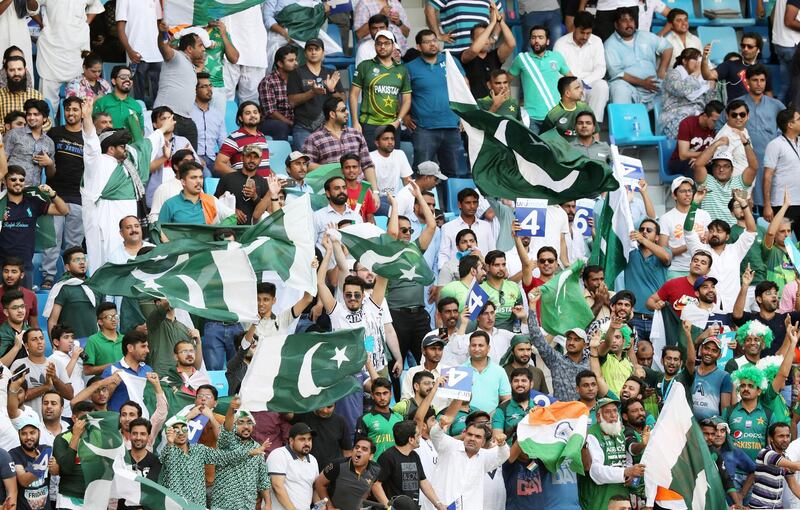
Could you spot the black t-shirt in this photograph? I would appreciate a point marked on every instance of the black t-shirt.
(149, 467)
(69, 164)
(348, 490)
(234, 182)
(309, 114)
(37, 494)
(732, 72)
(478, 70)
(776, 324)
(18, 236)
(332, 436)
(400, 474)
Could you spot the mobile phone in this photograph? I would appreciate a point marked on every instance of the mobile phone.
(289, 183)
(19, 374)
(443, 333)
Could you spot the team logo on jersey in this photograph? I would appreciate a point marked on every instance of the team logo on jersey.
(737, 434)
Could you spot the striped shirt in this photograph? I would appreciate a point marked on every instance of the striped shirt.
(719, 194)
(457, 17)
(235, 144)
(769, 480)
(539, 75)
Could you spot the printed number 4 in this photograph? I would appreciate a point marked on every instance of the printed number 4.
(531, 222)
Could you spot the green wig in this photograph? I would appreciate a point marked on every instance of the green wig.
(751, 373)
(755, 328)
(626, 334)
(770, 366)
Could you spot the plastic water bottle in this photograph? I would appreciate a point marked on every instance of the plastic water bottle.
(637, 128)
(517, 327)
(320, 505)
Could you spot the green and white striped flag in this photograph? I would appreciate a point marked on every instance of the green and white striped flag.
(138, 490)
(302, 372)
(678, 459)
(99, 445)
(563, 304)
(613, 243)
(385, 256)
(316, 180)
(200, 12)
(509, 161)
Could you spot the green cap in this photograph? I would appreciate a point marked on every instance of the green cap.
(604, 402)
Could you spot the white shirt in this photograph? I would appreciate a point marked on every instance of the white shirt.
(164, 192)
(587, 62)
(299, 475)
(792, 453)
(61, 360)
(671, 224)
(366, 50)
(483, 232)
(781, 34)
(739, 159)
(64, 35)
(576, 245)
(556, 224)
(459, 477)
(370, 317)
(407, 386)
(37, 376)
(9, 438)
(249, 36)
(141, 18)
(648, 9)
(692, 41)
(327, 215)
(500, 340)
(390, 171)
(724, 266)
(782, 155)
(404, 201)
(429, 458)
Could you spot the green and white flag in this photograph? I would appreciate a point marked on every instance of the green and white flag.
(509, 161)
(99, 445)
(613, 243)
(563, 305)
(138, 490)
(388, 257)
(678, 459)
(200, 12)
(302, 372)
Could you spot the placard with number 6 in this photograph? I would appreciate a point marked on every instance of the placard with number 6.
(584, 211)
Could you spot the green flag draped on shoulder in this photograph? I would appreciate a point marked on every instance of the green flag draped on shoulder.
(303, 372)
(388, 257)
(99, 445)
(563, 304)
(509, 161)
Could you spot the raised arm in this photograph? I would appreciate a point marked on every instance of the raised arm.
(789, 344)
(163, 46)
(700, 171)
(741, 297)
(323, 292)
(775, 223)
(705, 68)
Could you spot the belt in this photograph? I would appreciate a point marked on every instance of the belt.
(410, 309)
(646, 316)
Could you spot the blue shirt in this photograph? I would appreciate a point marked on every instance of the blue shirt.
(762, 128)
(430, 103)
(211, 131)
(120, 395)
(707, 391)
(638, 60)
(488, 386)
(643, 277)
(179, 210)
(538, 488)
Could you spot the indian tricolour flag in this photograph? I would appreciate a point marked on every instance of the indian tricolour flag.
(200, 12)
(555, 434)
(680, 472)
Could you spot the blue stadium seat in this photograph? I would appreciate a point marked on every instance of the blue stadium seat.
(382, 221)
(408, 150)
(722, 39)
(454, 185)
(726, 22)
(338, 60)
(210, 185)
(763, 31)
(230, 116)
(278, 150)
(686, 5)
(775, 77)
(219, 381)
(520, 37)
(62, 93)
(657, 107)
(108, 66)
(41, 300)
(621, 120)
(665, 150)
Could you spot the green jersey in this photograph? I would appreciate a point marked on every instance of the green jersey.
(101, 350)
(214, 56)
(77, 311)
(508, 415)
(378, 427)
(779, 267)
(505, 298)
(592, 495)
(380, 87)
(509, 108)
(563, 119)
(748, 429)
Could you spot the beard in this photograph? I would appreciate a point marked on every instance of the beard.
(520, 397)
(18, 85)
(339, 199)
(611, 429)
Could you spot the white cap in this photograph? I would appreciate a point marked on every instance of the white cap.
(387, 34)
(723, 153)
(678, 181)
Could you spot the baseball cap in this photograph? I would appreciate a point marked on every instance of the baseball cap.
(386, 34)
(432, 339)
(604, 402)
(298, 429)
(315, 41)
(431, 168)
(28, 421)
(242, 413)
(380, 130)
(251, 148)
(677, 182)
(714, 339)
(581, 333)
(723, 153)
(177, 420)
(294, 156)
(702, 279)
(623, 295)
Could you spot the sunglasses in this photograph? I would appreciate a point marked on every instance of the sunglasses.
(352, 295)
(647, 229)
(547, 261)
(748, 46)
(406, 230)
(18, 179)
(738, 115)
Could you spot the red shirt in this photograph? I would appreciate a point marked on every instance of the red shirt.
(235, 144)
(690, 130)
(31, 304)
(678, 292)
(535, 282)
(367, 207)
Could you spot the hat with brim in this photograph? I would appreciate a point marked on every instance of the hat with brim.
(28, 421)
(431, 168)
(604, 402)
(315, 41)
(432, 339)
(677, 182)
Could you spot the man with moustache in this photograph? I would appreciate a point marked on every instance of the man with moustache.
(723, 180)
(337, 210)
(33, 480)
(125, 112)
(139, 457)
(767, 299)
(246, 185)
(710, 386)
(293, 469)
(347, 481)
(671, 360)
(192, 205)
(511, 412)
(332, 435)
(609, 474)
(18, 90)
(518, 356)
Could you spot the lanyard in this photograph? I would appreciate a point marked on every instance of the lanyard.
(794, 149)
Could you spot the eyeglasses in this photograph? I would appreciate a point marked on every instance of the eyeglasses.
(342, 110)
(748, 46)
(124, 76)
(110, 317)
(352, 295)
(406, 230)
(738, 115)
(180, 430)
(547, 261)
(17, 307)
(647, 230)
(186, 351)
(78, 259)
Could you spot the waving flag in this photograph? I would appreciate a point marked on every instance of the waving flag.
(563, 304)
(554, 434)
(200, 12)
(100, 444)
(510, 161)
(388, 257)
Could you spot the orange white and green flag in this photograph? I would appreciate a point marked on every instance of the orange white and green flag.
(555, 434)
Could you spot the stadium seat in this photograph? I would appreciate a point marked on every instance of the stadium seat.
(230, 116)
(657, 107)
(219, 381)
(62, 93)
(733, 5)
(763, 31)
(278, 150)
(519, 36)
(382, 221)
(775, 77)
(454, 185)
(210, 185)
(107, 67)
(665, 150)
(722, 39)
(338, 60)
(408, 150)
(621, 120)
(686, 5)
(41, 301)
